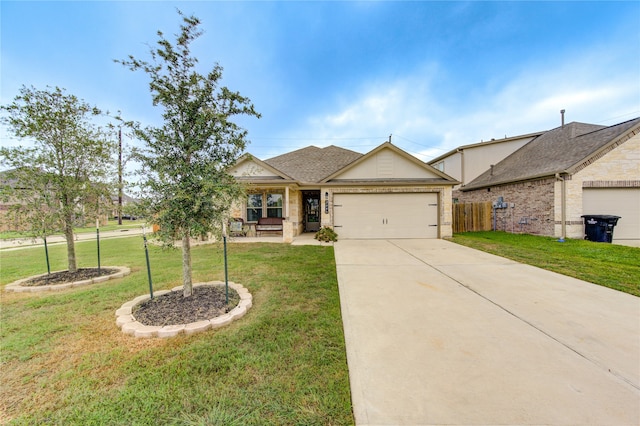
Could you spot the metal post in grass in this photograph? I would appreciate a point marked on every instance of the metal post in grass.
(46, 249)
(46, 253)
(98, 241)
(226, 273)
(146, 253)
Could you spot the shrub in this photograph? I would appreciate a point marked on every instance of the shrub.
(326, 235)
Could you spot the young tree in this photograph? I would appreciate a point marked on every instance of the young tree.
(186, 188)
(64, 174)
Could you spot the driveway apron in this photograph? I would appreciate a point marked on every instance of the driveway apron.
(438, 333)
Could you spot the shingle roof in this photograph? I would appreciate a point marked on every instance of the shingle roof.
(312, 164)
(555, 151)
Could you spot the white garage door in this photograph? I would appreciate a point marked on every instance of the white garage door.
(386, 215)
(623, 202)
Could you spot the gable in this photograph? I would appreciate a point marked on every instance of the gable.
(619, 164)
(313, 164)
(252, 168)
(386, 163)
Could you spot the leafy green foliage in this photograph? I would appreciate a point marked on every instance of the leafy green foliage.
(63, 176)
(185, 186)
(326, 234)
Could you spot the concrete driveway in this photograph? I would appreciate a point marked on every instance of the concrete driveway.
(437, 333)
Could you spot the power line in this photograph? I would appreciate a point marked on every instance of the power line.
(318, 139)
(632, 114)
(417, 143)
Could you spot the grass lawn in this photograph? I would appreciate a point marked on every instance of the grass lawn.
(609, 265)
(64, 361)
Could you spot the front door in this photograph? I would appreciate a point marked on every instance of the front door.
(311, 200)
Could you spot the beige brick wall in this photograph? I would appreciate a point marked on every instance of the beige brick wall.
(620, 167)
(621, 163)
(295, 212)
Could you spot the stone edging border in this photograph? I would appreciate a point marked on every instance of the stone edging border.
(18, 287)
(127, 322)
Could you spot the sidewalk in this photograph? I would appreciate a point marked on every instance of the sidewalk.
(17, 243)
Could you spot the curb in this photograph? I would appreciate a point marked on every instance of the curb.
(127, 322)
(17, 286)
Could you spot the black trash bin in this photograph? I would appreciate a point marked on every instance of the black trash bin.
(599, 227)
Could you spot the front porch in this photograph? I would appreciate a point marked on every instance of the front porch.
(304, 239)
(298, 209)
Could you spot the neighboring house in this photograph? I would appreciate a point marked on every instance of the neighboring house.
(386, 193)
(8, 202)
(12, 197)
(576, 169)
(127, 204)
(469, 161)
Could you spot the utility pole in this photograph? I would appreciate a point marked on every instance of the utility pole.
(119, 176)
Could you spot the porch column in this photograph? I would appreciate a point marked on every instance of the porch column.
(287, 226)
(286, 203)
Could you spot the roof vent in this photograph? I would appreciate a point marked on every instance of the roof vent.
(492, 169)
(562, 115)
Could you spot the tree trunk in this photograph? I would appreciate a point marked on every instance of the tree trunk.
(187, 289)
(71, 248)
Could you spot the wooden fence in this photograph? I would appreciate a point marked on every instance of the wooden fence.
(468, 217)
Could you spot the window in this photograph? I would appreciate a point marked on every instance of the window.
(274, 205)
(256, 204)
(439, 166)
(254, 207)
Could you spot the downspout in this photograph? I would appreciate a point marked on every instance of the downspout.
(563, 202)
(563, 206)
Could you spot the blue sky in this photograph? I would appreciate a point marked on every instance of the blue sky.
(436, 75)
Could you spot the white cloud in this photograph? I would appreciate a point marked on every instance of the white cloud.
(418, 106)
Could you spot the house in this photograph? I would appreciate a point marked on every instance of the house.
(467, 162)
(9, 201)
(128, 204)
(19, 202)
(548, 184)
(385, 193)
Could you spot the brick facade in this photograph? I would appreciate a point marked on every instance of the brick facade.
(616, 167)
(535, 207)
(530, 205)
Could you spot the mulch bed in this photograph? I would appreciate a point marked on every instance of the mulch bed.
(205, 303)
(63, 277)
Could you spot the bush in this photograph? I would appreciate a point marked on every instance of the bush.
(326, 235)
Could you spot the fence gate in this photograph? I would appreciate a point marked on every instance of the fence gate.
(469, 217)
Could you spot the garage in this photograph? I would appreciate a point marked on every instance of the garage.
(386, 215)
(623, 202)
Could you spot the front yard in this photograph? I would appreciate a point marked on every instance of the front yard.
(64, 361)
(609, 265)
